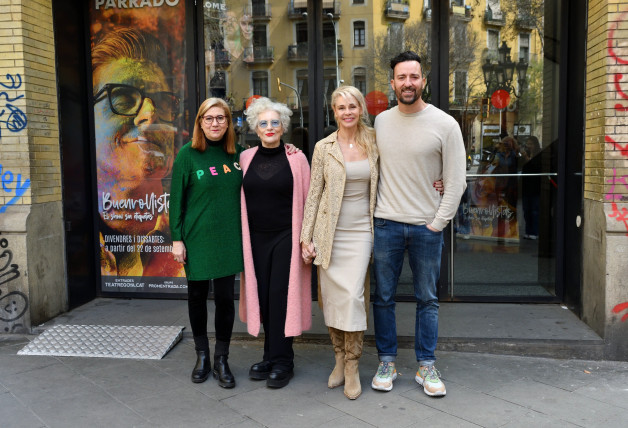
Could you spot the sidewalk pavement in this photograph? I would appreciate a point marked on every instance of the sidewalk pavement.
(483, 389)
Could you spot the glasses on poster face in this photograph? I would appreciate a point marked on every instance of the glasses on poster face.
(220, 119)
(273, 123)
(126, 100)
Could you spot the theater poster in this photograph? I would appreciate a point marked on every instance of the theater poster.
(138, 59)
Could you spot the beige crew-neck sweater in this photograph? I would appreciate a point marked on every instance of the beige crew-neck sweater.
(415, 150)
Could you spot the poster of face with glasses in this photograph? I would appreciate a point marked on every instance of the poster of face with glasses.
(138, 77)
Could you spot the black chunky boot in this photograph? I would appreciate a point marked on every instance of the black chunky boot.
(222, 372)
(203, 364)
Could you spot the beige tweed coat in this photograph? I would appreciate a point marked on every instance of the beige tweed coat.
(327, 185)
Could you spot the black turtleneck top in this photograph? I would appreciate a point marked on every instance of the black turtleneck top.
(267, 188)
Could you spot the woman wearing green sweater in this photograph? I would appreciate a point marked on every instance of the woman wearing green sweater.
(206, 230)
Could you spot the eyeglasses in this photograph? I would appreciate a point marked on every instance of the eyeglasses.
(219, 119)
(126, 100)
(264, 123)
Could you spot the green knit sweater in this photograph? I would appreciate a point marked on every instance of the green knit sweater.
(205, 211)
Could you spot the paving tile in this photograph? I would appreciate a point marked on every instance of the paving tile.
(612, 391)
(179, 363)
(11, 364)
(469, 405)
(132, 380)
(443, 420)
(44, 384)
(556, 402)
(539, 420)
(346, 421)
(281, 408)
(185, 407)
(379, 408)
(246, 423)
(13, 414)
(94, 408)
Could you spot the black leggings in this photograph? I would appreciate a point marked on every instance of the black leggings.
(271, 257)
(225, 309)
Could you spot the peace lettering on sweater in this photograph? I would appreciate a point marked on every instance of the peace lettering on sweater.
(212, 170)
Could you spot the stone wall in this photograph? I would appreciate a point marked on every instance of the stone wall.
(605, 240)
(32, 253)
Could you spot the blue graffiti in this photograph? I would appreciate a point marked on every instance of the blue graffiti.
(6, 179)
(16, 120)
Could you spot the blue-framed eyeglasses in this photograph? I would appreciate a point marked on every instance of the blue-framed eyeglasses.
(264, 123)
(126, 100)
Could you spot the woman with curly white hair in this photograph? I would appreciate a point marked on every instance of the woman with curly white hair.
(276, 285)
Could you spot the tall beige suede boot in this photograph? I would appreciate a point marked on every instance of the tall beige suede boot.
(337, 376)
(353, 352)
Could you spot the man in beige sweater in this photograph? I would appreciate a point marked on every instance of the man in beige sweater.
(418, 144)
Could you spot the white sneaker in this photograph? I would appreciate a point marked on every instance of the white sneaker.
(383, 379)
(429, 377)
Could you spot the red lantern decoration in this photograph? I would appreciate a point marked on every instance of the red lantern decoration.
(376, 102)
(250, 100)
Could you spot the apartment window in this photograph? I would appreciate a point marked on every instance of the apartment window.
(395, 35)
(460, 86)
(259, 35)
(359, 79)
(492, 43)
(329, 77)
(524, 46)
(302, 85)
(358, 1)
(301, 32)
(457, 2)
(493, 6)
(359, 34)
(260, 83)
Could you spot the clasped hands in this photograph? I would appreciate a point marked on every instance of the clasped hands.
(308, 252)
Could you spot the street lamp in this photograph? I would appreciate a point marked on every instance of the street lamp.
(333, 23)
(501, 75)
(279, 83)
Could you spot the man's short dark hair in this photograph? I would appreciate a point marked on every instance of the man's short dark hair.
(403, 57)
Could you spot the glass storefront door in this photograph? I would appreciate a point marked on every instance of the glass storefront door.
(258, 49)
(503, 93)
(503, 86)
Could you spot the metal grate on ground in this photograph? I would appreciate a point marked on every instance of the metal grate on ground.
(152, 342)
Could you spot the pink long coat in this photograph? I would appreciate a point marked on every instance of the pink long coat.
(299, 311)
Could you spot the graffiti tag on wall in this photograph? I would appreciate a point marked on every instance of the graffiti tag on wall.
(13, 118)
(13, 304)
(617, 213)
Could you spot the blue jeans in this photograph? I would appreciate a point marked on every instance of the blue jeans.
(424, 251)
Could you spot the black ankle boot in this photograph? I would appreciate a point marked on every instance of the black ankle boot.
(222, 372)
(202, 368)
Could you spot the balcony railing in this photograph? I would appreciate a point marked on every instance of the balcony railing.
(333, 7)
(527, 22)
(494, 18)
(462, 13)
(298, 7)
(259, 55)
(260, 12)
(397, 9)
(220, 57)
(299, 52)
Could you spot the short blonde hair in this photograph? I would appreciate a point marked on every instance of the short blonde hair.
(198, 136)
(262, 105)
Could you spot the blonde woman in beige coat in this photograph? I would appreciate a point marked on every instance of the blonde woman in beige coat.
(337, 230)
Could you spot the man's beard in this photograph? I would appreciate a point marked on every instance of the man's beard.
(417, 95)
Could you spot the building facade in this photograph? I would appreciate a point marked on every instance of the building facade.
(538, 88)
